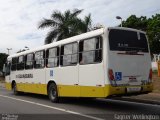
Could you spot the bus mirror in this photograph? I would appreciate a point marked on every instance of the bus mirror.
(4, 68)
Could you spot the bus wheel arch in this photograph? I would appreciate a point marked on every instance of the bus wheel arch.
(52, 91)
(14, 87)
(13, 82)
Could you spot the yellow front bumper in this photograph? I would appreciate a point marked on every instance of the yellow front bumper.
(8, 86)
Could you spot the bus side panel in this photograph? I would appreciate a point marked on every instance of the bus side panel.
(68, 82)
(69, 90)
(91, 80)
(36, 84)
(66, 79)
(20, 81)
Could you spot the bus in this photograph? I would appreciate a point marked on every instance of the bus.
(105, 62)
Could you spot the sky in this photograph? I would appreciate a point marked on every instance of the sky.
(19, 19)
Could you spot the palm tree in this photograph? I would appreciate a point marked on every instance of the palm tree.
(85, 25)
(65, 25)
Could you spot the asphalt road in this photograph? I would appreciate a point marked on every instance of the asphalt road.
(38, 107)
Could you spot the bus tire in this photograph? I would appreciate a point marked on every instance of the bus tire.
(14, 89)
(53, 93)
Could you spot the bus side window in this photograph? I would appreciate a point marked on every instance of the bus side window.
(20, 64)
(14, 64)
(90, 51)
(39, 59)
(52, 57)
(29, 61)
(69, 54)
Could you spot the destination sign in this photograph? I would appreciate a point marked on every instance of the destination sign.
(24, 76)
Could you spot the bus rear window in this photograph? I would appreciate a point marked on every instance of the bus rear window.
(124, 40)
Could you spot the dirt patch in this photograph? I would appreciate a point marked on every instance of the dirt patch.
(156, 83)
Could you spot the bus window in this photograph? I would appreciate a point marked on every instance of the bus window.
(90, 51)
(39, 59)
(29, 61)
(124, 40)
(20, 64)
(52, 59)
(14, 64)
(69, 54)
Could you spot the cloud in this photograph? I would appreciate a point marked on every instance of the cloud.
(30, 36)
(20, 18)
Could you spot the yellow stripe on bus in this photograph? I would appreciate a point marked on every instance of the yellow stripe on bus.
(76, 91)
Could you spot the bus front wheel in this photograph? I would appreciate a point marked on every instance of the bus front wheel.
(14, 89)
(53, 93)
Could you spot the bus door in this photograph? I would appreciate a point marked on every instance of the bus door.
(67, 74)
(91, 72)
(7, 71)
(19, 73)
(38, 80)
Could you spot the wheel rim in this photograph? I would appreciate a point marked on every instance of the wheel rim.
(53, 94)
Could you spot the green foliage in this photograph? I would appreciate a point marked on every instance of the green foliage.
(64, 25)
(153, 32)
(135, 22)
(150, 25)
(3, 58)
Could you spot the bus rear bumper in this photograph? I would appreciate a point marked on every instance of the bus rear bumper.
(124, 90)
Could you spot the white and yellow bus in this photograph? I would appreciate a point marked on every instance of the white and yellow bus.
(101, 63)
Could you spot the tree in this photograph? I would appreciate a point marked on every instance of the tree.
(150, 25)
(64, 25)
(135, 22)
(86, 24)
(3, 58)
(153, 32)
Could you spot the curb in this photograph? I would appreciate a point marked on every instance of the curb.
(138, 100)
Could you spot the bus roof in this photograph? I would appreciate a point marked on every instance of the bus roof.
(129, 29)
(71, 39)
(61, 42)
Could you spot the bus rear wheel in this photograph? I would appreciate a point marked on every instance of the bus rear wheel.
(53, 93)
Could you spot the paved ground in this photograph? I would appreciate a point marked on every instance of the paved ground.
(32, 106)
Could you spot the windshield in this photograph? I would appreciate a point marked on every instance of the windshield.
(7, 69)
(124, 40)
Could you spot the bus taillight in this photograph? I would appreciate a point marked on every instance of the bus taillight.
(150, 75)
(110, 74)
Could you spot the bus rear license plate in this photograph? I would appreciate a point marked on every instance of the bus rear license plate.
(133, 89)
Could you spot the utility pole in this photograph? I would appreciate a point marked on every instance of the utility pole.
(9, 50)
(118, 17)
